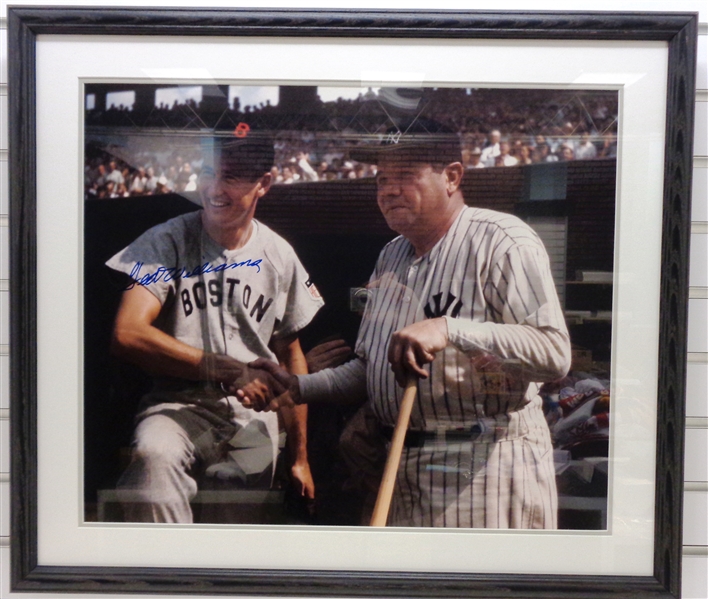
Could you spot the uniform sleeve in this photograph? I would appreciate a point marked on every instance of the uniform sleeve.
(151, 261)
(300, 299)
(343, 384)
(524, 321)
(366, 318)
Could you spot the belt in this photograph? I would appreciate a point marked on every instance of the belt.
(419, 438)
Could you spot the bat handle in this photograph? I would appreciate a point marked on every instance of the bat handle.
(388, 480)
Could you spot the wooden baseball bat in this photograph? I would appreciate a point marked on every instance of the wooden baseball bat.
(388, 480)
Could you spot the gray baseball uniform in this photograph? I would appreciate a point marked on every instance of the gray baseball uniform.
(482, 455)
(231, 302)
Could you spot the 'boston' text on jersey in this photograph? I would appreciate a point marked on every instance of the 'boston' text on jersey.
(203, 294)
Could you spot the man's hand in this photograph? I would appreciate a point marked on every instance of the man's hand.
(220, 368)
(255, 388)
(302, 479)
(272, 387)
(328, 355)
(416, 345)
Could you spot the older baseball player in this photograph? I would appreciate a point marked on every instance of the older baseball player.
(464, 300)
(212, 290)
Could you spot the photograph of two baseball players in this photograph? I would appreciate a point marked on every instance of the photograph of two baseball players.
(461, 305)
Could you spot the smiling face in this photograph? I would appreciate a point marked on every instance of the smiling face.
(418, 200)
(229, 201)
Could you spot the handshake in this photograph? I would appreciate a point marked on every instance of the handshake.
(264, 386)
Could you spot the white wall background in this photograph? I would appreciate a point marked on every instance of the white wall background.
(695, 560)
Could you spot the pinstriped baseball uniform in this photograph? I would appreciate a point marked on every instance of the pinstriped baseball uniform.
(490, 278)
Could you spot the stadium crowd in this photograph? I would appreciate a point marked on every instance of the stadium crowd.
(497, 128)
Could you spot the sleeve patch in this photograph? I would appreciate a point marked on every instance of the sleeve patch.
(312, 290)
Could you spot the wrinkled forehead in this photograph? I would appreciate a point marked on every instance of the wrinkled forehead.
(398, 167)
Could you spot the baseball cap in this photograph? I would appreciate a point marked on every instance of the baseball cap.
(248, 156)
(243, 153)
(418, 140)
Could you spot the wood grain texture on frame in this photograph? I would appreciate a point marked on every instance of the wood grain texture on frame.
(677, 29)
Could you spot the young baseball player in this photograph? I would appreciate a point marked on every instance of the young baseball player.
(212, 290)
(463, 300)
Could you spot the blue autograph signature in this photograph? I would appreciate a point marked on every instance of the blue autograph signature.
(169, 274)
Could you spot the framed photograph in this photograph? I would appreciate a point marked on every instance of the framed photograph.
(577, 126)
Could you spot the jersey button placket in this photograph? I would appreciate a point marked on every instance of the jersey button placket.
(412, 271)
(224, 307)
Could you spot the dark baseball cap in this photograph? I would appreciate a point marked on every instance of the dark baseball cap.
(241, 153)
(246, 153)
(419, 140)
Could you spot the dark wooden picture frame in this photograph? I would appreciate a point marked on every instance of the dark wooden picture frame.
(677, 29)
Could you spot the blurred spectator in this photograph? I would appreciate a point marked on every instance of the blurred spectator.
(162, 186)
(360, 171)
(569, 129)
(108, 190)
(347, 170)
(542, 153)
(585, 150)
(566, 152)
(609, 145)
(171, 178)
(183, 176)
(307, 173)
(472, 158)
(289, 176)
(322, 168)
(505, 158)
(492, 149)
(522, 153)
(151, 182)
(275, 175)
(192, 183)
(114, 175)
(121, 191)
(99, 175)
(139, 183)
